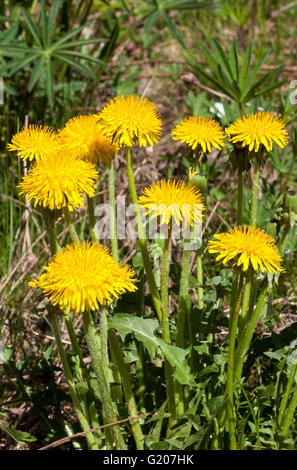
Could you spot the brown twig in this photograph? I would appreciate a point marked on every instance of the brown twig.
(83, 433)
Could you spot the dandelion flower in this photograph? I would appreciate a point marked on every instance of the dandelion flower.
(199, 131)
(254, 130)
(35, 142)
(130, 119)
(247, 245)
(59, 181)
(81, 136)
(83, 277)
(175, 199)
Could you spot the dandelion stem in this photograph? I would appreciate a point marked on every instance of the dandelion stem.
(165, 326)
(200, 278)
(248, 332)
(107, 405)
(233, 321)
(112, 215)
(92, 218)
(70, 382)
(142, 239)
(281, 415)
(126, 382)
(70, 225)
(255, 193)
(239, 196)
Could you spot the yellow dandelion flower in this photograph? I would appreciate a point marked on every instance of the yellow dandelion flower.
(199, 131)
(59, 181)
(83, 277)
(254, 130)
(130, 119)
(81, 136)
(248, 245)
(175, 199)
(35, 142)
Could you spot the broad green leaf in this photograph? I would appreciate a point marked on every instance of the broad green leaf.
(35, 74)
(32, 27)
(144, 331)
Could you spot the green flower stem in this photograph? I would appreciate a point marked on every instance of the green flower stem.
(284, 238)
(112, 215)
(239, 196)
(200, 278)
(80, 372)
(281, 415)
(286, 418)
(142, 239)
(107, 405)
(70, 225)
(233, 321)
(126, 382)
(244, 317)
(70, 382)
(255, 193)
(181, 321)
(92, 219)
(248, 332)
(183, 294)
(165, 326)
(104, 344)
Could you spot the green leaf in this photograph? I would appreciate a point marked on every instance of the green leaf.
(83, 42)
(215, 83)
(255, 70)
(52, 19)
(24, 61)
(125, 7)
(49, 83)
(75, 64)
(56, 45)
(173, 29)
(191, 5)
(222, 58)
(151, 20)
(245, 66)
(144, 331)
(81, 56)
(234, 61)
(32, 27)
(43, 24)
(18, 436)
(35, 74)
